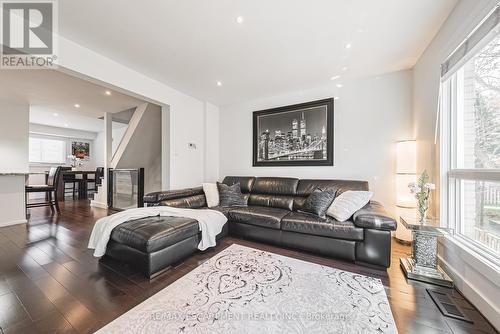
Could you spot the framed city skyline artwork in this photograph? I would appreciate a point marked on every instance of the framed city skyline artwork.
(295, 135)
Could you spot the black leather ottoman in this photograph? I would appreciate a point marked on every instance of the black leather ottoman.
(153, 244)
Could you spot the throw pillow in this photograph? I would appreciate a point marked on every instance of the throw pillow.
(319, 201)
(347, 203)
(230, 195)
(211, 194)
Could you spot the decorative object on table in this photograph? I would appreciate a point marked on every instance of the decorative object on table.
(295, 135)
(80, 149)
(75, 162)
(223, 294)
(422, 190)
(423, 265)
(406, 172)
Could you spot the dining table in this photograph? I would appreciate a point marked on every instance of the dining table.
(80, 175)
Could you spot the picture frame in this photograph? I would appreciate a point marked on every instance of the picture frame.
(80, 149)
(294, 135)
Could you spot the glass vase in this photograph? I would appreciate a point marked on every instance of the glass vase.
(423, 208)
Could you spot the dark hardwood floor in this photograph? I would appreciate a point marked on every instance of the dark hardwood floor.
(51, 283)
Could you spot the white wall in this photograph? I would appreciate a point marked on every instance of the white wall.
(14, 136)
(212, 143)
(370, 116)
(118, 132)
(186, 112)
(99, 143)
(14, 153)
(479, 282)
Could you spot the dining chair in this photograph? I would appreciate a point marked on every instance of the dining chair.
(50, 189)
(74, 182)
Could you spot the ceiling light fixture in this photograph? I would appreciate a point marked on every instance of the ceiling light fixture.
(77, 105)
(107, 92)
(335, 77)
(55, 114)
(340, 85)
(344, 68)
(219, 83)
(348, 45)
(239, 19)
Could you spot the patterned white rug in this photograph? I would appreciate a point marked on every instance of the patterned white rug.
(244, 290)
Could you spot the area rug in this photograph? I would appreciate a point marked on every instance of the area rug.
(244, 290)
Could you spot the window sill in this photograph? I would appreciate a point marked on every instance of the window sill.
(483, 264)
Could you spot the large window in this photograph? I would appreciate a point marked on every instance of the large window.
(470, 147)
(45, 150)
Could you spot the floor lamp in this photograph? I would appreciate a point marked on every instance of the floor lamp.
(406, 172)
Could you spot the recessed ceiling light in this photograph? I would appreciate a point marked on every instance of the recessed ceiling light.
(239, 19)
(340, 85)
(344, 68)
(55, 114)
(77, 105)
(107, 92)
(348, 45)
(219, 83)
(335, 77)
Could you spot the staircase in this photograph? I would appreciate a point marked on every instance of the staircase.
(140, 147)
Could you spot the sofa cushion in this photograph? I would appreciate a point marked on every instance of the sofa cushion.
(275, 201)
(246, 182)
(154, 233)
(275, 186)
(258, 215)
(230, 195)
(225, 209)
(306, 223)
(347, 203)
(306, 187)
(211, 194)
(319, 201)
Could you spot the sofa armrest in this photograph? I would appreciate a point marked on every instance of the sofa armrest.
(186, 198)
(374, 216)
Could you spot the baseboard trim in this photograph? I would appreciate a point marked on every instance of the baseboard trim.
(466, 288)
(98, 204)
(13, 222)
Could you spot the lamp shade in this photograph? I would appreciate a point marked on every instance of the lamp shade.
(406, 157)
(404, 198)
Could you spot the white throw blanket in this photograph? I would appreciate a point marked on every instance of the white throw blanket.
(210, 224)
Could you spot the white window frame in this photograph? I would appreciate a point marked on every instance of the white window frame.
(64, 155)
(450, 191)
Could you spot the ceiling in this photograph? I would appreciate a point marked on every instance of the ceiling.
(280, 46)
(52, 97)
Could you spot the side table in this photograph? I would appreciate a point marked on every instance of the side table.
(423, 265)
